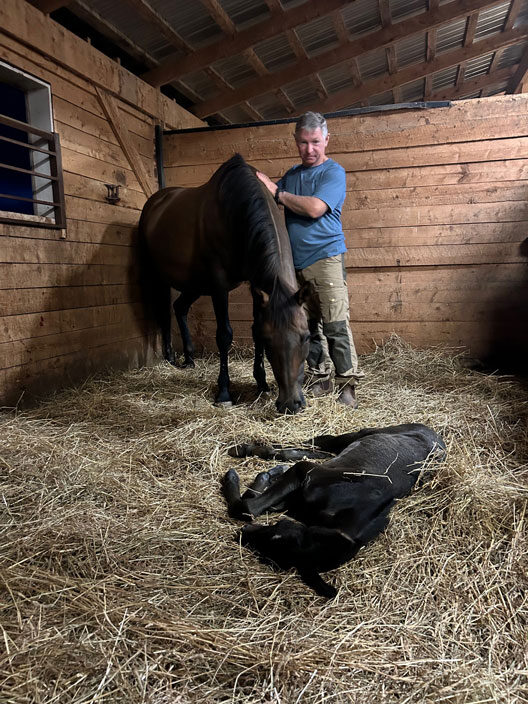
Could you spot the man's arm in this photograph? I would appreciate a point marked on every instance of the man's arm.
(310, 206)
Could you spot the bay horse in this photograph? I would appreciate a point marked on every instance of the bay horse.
(207, 241)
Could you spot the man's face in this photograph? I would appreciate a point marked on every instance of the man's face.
(311, 146)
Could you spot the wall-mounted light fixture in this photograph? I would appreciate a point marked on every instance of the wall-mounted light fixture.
(113, 193)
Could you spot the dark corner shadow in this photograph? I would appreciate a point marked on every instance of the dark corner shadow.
(508, 350)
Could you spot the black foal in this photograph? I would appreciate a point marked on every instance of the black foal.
(338, 505)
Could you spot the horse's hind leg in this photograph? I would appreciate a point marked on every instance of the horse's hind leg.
(224, 338)
(181, 308)
(164, 322)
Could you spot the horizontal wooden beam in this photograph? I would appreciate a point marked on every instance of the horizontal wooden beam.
(305, 67)
(174, 67)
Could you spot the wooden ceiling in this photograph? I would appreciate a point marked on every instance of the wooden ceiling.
(296, 55)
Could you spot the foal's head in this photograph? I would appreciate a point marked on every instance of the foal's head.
(282, 325)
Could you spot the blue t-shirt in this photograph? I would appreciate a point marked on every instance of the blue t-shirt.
(316, 238)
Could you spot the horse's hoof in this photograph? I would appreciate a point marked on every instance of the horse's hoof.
(188, 364)
(223, 404)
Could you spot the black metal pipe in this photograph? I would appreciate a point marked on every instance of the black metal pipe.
(160, 167)
(340, 113)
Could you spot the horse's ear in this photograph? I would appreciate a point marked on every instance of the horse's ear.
(261, 297)
(305, 293)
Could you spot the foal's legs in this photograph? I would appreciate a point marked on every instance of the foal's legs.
(224, 338)
(181, 308)
(261, 483)
(273, 452)
(277, 492)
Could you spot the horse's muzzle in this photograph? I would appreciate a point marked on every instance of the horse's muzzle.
(292, 406)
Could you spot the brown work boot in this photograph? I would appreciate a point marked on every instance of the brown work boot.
(347, 396)
(321, 388)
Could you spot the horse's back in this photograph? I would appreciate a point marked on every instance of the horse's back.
(170, 226)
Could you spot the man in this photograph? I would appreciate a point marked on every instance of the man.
(312, 194)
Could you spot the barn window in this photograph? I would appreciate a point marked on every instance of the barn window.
(31, 187)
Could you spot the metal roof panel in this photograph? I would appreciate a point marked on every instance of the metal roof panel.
(317, 36)
(402, 9)
(275, 53)
(361, 17)
(451, 35)
(411, 50)
(245, 13)
(491, 20)
(373, 64)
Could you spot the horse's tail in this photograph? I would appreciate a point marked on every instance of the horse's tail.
(155, 296)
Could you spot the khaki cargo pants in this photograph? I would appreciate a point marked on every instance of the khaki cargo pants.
(331, 342)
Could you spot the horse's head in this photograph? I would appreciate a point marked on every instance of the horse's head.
(285, 336)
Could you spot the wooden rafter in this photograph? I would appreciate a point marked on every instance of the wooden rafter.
(512, 14)
(255, 114)
(283, 98)
(385, 12)
(275, 7)
(305, 67)
(412, 73)
(47, 6)
(146, 12)
(471, 26)
(340, 28)
(430, 53)
(519, 79)
(175, 67)
(220, 16)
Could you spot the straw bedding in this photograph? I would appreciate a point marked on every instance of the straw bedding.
(122, 581)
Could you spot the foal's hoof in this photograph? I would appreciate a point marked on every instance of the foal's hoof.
(188, 364)
(241, 450)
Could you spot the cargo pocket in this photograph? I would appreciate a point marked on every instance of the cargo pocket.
(333, 295)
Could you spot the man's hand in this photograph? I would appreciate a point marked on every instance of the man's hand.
(272, 187)
(309, 206)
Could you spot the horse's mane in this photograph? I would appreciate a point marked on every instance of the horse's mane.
(248, 216)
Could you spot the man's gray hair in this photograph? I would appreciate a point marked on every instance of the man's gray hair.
(310, 122)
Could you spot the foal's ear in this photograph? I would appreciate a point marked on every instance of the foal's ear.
(305, 293)
(261, 297)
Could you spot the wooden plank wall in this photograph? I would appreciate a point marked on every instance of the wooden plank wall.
(69, 302)
(435, 217)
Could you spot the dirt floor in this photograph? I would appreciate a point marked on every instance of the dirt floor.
(122, 580)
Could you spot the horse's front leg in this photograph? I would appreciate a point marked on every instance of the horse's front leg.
(181, 308)
(259, 373)
(224, 338)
